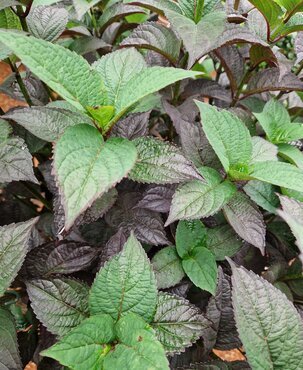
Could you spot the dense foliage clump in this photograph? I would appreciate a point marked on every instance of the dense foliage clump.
(152, 184)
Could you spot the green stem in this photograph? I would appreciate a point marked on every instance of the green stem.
(240, 87)
(20, 82)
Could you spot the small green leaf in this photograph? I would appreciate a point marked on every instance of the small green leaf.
(178, 323)
(125, 284)
(102, 114)
(192, 9)
(87, 167)
(13, 248)
(197, 199)
(190, 234)
(161, 163)
(269, 325)
(167, 267)
(9, 20)
(227, 134)
(84, 347)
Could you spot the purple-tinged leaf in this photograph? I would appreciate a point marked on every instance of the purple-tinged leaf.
(157, 198)
(112, 247)
(132, 126)
(206, 88)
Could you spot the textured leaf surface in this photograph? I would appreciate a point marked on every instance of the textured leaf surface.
(167, 267)
(189, 234)
(46, 22)
(125, 284)
(15, 161)
(291, 154)
(198, 199)
(47, 123)
(269, 325)
(161, 163)
(86, 167)
(262, 194)
(64, 71)
(246, 220)
(8, 19)
(269, 9)
(14, 240)
(9, 353)
(263, 150)
(5, 130)
(132, 126)
(177, 322)
(84, 347)
(157, 198)
(227, 134)
(60, 304)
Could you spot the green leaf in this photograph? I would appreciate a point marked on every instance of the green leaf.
(291, 154)
(161, 163)
(200, 266)
(64, 71)
(87, 167)
(270, 10)
(201, 38)
(228, 136)
(9, 353)
(246, 220)
(190, 234)
(5, 130)
(13, 248)
(277, 125)
(125, 284)
(60, 304)
(15, 161)
(278, 173)
(167, 267)
(9, 20)
(156, 37)
(81, 6)
(263, 150)
(292, 6)
(138, 349)
(263, 195)
(47, 123)
(178, 323)
(85, 346)
(223, 242)
(102, 114)
(192, 9)
(197, 199)
(269, 325)
(159, 6)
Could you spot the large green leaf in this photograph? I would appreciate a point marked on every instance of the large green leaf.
(269, 325)
(125, 284)
(64, 71)
(190, 234)
(9, 353)
(228, 136)
(177, 322)
(138, 348)
(263, 194)
(85, 346)
(292, 6)
(278, 173)
(167, 267)
(198, 199)
(13, 248)
(87, 167)
(60, 304)
(161, 163)
(270, 10)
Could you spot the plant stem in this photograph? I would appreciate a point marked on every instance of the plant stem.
(22, 16)
(20, 82)
(239, 90)
(291, 13)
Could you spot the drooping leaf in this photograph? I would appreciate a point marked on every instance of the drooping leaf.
(198, 199)
(57, 67)
(246, 220)
(46, 22)
(86, 167)
(177, 322)
(85, 346)
(125, 284)
(161, 163)
(167, 267)
(154, 36)
(14, 240)
(47, 123)
(228, 136)
(60, 304)
(138, 348)
(269, 325)
(9, 353)
(15, 161)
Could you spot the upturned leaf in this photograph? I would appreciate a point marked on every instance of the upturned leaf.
(84, 347)
(269, 325)
(178, 323)
(197, 199)
(60, 304)
(14, 240)
(161, 163)
(125, 284)
(57, 67)
(87, 167)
